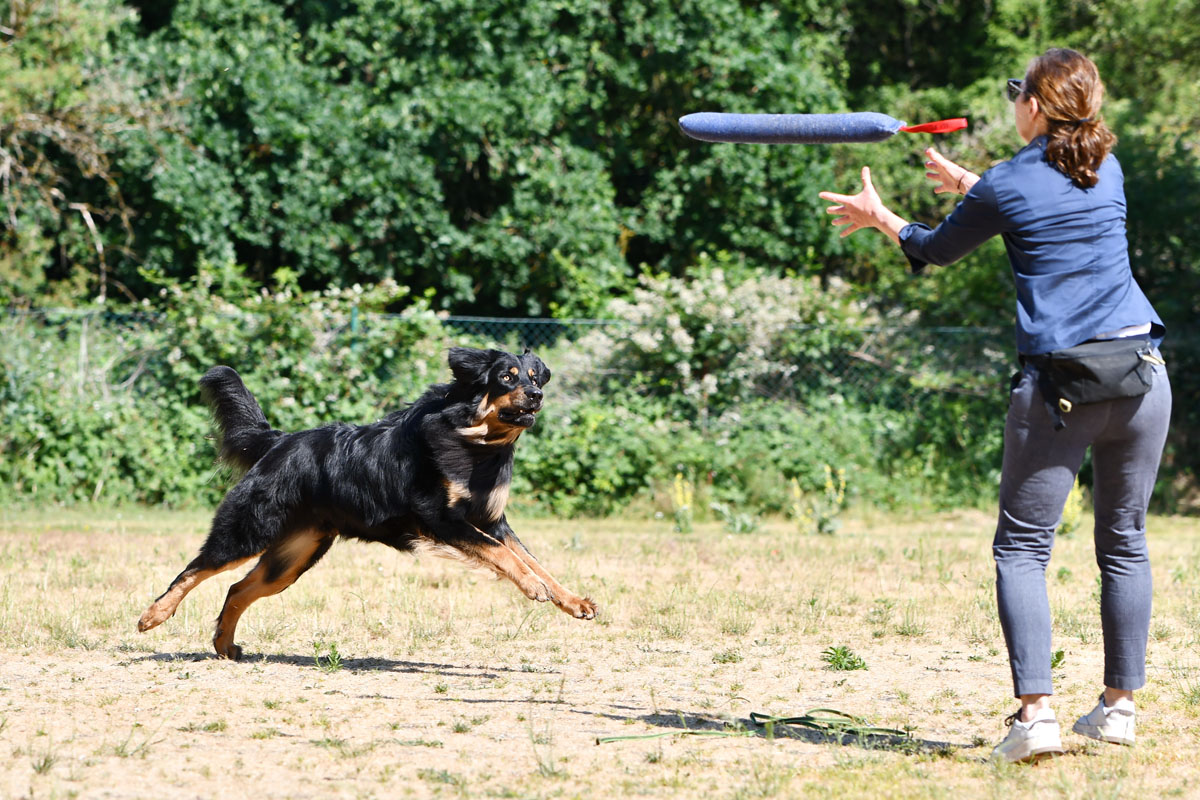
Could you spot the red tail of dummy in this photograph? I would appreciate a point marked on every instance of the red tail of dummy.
(941, 126)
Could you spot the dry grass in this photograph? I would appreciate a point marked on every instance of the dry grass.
(380, 676)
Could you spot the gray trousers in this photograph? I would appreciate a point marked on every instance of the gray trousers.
(1040, 464)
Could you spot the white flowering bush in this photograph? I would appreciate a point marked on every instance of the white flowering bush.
(708, 376)
(719, 335)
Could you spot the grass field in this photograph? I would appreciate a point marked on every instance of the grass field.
(378, 675)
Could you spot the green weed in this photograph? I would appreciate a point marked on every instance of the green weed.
(43, 762)
(735, 521)
(738, 621)
(841, 657)
(326, 657)
(683, 496)
(1186, 684)
(130, 748)
(542, 743)
(818, 513)
(1072, 514)
(216, 726)
(912, 623)
(441, 776)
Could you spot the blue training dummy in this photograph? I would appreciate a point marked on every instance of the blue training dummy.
(862, 126)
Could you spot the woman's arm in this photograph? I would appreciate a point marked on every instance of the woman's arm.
(864, 210)
(974, 220)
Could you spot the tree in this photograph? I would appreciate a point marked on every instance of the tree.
(66, 97)
(492, 152)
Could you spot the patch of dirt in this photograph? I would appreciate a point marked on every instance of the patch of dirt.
(380, 676)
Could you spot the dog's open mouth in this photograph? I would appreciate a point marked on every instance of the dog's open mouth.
(523, 417)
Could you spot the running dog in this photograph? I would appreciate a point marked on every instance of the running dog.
(433, 477)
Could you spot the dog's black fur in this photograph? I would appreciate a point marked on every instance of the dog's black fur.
(434, 476)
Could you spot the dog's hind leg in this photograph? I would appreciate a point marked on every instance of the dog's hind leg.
(237, 535)
(278, 569)
(198, 570)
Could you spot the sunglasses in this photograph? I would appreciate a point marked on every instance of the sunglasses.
(1013, 88)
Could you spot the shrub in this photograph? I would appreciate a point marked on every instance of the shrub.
(108, 407)
(721, 335)
(595, 456)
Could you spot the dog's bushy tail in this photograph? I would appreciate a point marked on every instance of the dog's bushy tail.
(243, 433)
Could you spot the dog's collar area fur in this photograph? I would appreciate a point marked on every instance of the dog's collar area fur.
(484, 424)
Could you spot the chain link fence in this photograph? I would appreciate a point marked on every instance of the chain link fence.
(99, 404)
(873, 365)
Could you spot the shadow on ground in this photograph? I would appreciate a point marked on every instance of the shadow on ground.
(684, 724)
(348, 664)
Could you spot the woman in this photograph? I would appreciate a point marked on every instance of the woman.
(1059, 205)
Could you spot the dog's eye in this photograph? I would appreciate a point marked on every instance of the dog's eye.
(506, 378)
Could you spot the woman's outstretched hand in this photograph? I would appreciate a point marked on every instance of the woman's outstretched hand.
(950, 177)
(863, 210)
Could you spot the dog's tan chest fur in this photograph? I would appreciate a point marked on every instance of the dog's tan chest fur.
(492, 506)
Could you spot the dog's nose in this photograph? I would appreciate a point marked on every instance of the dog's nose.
(534, 394)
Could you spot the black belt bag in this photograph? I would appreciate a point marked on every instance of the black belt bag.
(1092, 372)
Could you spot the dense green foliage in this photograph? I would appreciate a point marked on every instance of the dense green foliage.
(524, 158)
(109, 407)
(740, 381)
(500, 153)
(65, 98)
(514, 159)
(106, 406)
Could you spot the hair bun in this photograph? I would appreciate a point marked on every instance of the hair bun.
(1069, 89)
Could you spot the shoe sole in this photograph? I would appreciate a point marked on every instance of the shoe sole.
(1093, 733)
(1037, 754)
(1042, 754)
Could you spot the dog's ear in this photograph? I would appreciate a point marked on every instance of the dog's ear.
(470, 366)
(539, 366)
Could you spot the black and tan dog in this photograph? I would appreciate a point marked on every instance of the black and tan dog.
(434, 476)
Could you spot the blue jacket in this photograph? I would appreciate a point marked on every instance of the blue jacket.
(1066, 245)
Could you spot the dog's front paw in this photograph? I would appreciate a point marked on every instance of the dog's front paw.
(153, 617)
(580, 607)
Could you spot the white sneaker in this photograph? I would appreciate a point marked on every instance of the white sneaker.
(1030, 741)
(1108, 723)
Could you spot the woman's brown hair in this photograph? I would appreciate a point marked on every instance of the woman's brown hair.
(1069, 91)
